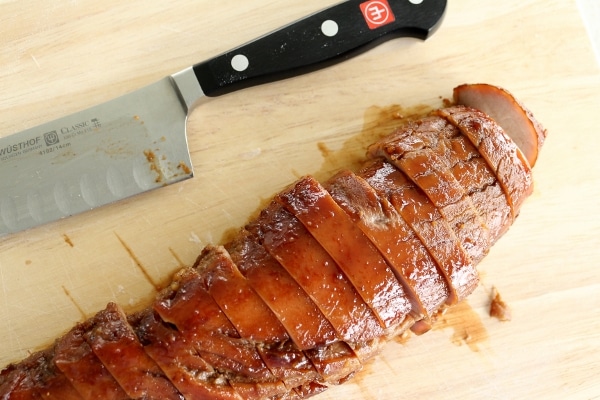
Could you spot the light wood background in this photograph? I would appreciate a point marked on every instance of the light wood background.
(57, 57)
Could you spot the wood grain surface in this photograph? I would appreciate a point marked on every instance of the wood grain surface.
(57, 57)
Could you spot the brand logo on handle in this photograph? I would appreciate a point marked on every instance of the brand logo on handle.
(377, 13)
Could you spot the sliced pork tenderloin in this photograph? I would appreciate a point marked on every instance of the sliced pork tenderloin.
(302, 319)
(420, 150)
(396, 241)
(88, 375)
(429, 225)
(287, 240)
(356, 256)
(114, 342)
(234, 294)
(197, 340)
(177, 356)
(502, 154)
(479, 182)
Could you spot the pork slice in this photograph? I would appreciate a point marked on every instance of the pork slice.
(250, 315)
(113, 341)
(428, 171)
(10, 377)
(356, 256)
(463, 160)
(291, 395)
(193, 376)
(415, 135)
(16, 385)
(427, 165)
(302, 319)
(187, 305)
(179, 359)
(36, 378)
(474, 174)
(309, 390)
(288, 241)
(244, 308)
(289, 364)
(240, 362)
(16, 382)
(429, 225)
(496, 147)
(75, 358)
(403, 250)
(249, 390)
(336, 362)
(491, 202)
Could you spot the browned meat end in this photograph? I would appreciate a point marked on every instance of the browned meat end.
(515, 119)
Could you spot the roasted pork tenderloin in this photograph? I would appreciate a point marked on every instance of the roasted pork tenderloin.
(314, 286)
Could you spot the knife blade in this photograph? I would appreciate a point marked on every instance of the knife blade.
(138, 142)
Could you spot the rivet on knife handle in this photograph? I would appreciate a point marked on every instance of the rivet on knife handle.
(319, 40)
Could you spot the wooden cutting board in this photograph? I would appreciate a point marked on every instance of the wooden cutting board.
(58, 57)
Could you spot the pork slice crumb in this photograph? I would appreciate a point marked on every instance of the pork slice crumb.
(498, 308)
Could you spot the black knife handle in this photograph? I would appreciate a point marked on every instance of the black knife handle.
(319, 40)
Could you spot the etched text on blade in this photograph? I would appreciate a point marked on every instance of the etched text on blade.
(109, 152)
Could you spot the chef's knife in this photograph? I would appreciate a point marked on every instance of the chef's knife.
(137, 142)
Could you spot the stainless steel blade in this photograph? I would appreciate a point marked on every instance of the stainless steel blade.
(106, 153)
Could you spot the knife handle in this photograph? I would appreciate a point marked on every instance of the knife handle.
(319, 40)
